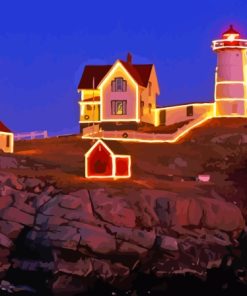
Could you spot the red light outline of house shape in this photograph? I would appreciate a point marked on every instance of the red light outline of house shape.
(115, 167)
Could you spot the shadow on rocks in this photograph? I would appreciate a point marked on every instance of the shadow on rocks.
(31, 263)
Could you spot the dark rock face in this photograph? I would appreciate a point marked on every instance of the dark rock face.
(77, 241)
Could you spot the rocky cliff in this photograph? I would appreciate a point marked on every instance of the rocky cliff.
(67, 243)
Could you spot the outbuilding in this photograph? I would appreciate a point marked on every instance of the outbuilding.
(6, 139)
(107, 160)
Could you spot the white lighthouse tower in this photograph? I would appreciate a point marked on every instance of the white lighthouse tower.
(231, 75)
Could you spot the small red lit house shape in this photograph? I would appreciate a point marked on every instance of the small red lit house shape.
(102, 162)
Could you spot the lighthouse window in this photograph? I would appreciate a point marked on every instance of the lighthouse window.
(190, 111)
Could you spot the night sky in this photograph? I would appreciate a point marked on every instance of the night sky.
(44, 46)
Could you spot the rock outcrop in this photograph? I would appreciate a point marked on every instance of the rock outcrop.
(109, 235)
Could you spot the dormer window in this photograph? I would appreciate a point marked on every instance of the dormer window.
(119, 85)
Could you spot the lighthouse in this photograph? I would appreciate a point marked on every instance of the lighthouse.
(231, 75)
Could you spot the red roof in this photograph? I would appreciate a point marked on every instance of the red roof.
(140, 73)
(90, 72)
(230, 31)
(3, 128)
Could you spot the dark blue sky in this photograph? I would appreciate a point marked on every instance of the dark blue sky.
(44, 46)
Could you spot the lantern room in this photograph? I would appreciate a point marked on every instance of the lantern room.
(230, 39)
(101, 161)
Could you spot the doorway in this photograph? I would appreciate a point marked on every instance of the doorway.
(162, 117)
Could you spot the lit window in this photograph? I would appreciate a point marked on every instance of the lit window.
(189, 111)
(118, 84)
(118, 107)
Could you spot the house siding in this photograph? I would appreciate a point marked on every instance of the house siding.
(146, 115)
(130, 96)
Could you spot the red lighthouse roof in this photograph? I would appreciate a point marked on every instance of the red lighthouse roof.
(230, 39)
(231, 33)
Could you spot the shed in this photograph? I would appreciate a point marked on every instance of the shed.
(107, 160)
(6, 139)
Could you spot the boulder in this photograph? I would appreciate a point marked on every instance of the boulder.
(114, 210)
(5, 241)
(108, 270)
(15, 215)
(130, 249)
(70, 207)
(178, 161)
(221, 215)
(63, 233)
(39, 200)
(10, 229)
(70, 202)
(7, 162)
(82, 267)
(10, 179)
(5, 201)
(21, 204)
(145, 214)
(33, 183)
(168, 243)
(201, 212)
(142, 238)
(97, 239)
(67, 284)
(195, 212)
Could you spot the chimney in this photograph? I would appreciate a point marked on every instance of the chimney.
(129, 58)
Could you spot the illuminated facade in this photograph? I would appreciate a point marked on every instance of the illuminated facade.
(123, 96)
(6, 139)
(118, 96)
